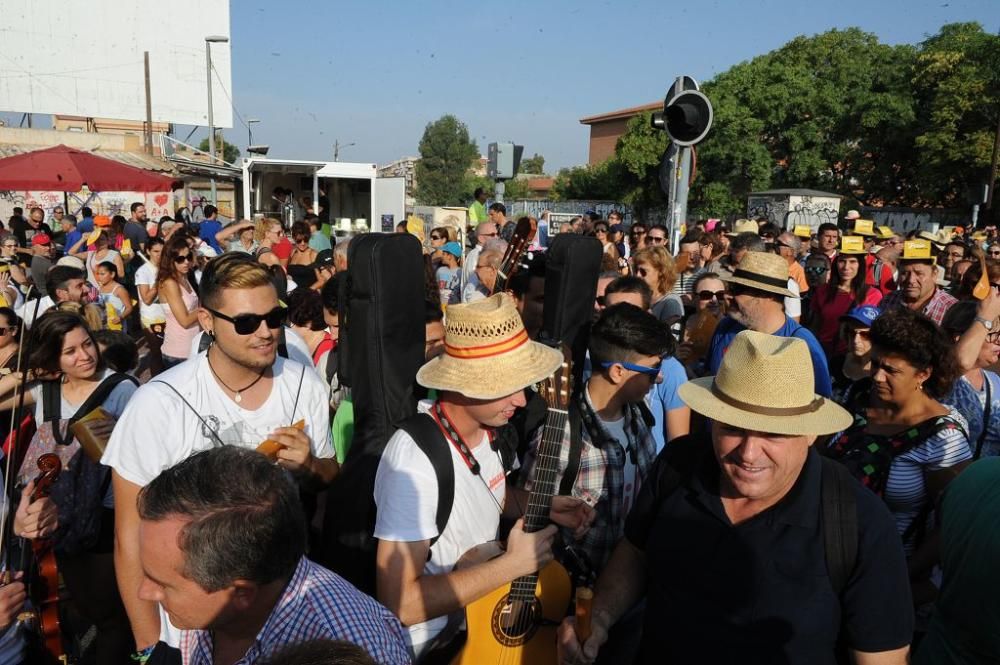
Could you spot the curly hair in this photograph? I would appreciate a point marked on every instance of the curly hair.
(919, 341)
(659, 258)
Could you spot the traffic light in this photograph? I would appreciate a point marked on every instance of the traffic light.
(686, 117)
(503, 160)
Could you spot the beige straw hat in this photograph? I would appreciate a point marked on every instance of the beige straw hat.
(765, 384)
(763, 271)
(487, 353)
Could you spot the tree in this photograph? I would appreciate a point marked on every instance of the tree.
(597, 182)
(534, 165)
(230, 152)
(446, 155)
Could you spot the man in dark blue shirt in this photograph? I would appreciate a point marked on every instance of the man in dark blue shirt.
(209, 227)
(758, 288)
(730, 549)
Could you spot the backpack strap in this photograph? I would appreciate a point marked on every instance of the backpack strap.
(430, 440)
(575, 450)
(52, 404)
(840, 522)
(51, 401)
(101, 393)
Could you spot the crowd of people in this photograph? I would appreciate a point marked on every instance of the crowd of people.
(781, 448)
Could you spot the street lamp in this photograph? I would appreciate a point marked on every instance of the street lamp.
(212, 39)
(336, 149)
(251, 121)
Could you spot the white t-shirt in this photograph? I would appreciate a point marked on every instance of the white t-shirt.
(28, 313)
(158, 430)
(793, 306)
(298, 350)
(406, 496)
(154, 313)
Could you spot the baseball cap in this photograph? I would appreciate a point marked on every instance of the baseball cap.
(41, 239)
(864, 315)
(324, 259)
(452, 248)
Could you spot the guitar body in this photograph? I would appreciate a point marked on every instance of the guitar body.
(501, 632)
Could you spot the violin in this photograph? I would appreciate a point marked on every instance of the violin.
(44, 589)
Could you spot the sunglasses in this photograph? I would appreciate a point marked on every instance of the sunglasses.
(816, 270)
(708, 295)
(657, 239)
(642, 271)
(487, 235)
(993, 252)
(599, 230)
(434, 237)
(8, 330)
(183, 258)
(246, 324)
(651, 372)
(864, 333)
(638, 232)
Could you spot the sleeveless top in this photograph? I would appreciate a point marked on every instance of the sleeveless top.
(176, 338)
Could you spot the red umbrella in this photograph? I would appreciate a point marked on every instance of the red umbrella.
(66, 169)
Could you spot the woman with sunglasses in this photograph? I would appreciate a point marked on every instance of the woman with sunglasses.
(854, 378)
(976, 394)
(267, 232)
(601, 233)
(709, 293)
(655, 266)
(176, 291)
(846, 289)
(303, 256)
(10, 255)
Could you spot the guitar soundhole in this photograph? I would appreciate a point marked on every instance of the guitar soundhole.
(515, 622)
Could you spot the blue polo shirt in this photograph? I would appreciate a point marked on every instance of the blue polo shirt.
(759, 592)
(663, 397)
(729, 328)
(207, 231)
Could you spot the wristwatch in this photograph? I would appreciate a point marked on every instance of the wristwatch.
(986, 323)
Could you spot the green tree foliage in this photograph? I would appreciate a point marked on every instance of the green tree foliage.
(446, 154)
(598, 182)
(534, 165)
(230, 152)
(956, 85)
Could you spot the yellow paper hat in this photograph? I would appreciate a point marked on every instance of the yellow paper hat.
(802, 231)
(864, 227)
(885, 233)
(917, 249)
(852, 245)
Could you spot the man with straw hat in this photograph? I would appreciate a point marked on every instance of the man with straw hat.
(480, 377)
(758, 289)
(917, 288)
(737, 543)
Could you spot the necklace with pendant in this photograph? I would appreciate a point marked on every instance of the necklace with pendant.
(236, 393)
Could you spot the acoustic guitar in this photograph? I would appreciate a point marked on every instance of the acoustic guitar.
(517, 622)
(511, 261)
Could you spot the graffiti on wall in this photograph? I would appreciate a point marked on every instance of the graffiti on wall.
(157, 204)
(904, 220)
(536, 208)
(789, 211)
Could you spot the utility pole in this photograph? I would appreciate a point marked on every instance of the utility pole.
(149, 106)
(336, 149)
(217, 39)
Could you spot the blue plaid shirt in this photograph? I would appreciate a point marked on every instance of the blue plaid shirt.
(316, 604)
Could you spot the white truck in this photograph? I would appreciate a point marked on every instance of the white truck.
(359, 200)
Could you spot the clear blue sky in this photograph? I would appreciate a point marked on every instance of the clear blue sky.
(375, 73)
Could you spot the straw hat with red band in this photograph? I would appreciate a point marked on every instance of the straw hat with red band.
(487, 353)
(765, 384)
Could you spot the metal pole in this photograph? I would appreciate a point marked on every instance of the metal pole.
(149, 106)
(211, 120)
(498, 191)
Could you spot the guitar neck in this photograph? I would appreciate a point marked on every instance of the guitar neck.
(543, 487)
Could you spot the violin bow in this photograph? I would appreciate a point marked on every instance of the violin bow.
(7, 519)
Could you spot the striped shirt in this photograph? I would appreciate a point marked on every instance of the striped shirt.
(934, 308)
(906, 487)
(316, 604)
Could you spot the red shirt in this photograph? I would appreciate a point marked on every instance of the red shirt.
(283, 249)
(827, 313)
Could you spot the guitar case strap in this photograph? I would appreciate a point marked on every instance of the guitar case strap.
(575, 450)
(429, 438)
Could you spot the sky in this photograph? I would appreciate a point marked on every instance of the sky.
(375, 73)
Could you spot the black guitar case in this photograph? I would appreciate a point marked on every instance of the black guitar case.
(381, 348)
(572, 265)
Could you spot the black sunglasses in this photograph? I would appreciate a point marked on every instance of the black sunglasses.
(246, 324)
(183, 258)
(708, 295)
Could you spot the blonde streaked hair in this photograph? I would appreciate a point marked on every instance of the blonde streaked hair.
(660, 260)
(262, 226)
(233, 270)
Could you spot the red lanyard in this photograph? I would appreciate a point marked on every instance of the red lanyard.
(450, 433)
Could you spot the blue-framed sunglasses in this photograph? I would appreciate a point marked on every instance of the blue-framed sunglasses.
(642, 369)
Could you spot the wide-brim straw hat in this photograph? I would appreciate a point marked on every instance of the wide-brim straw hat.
(487, 353)
(766, 384)
(744, 226)
(763, 271)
